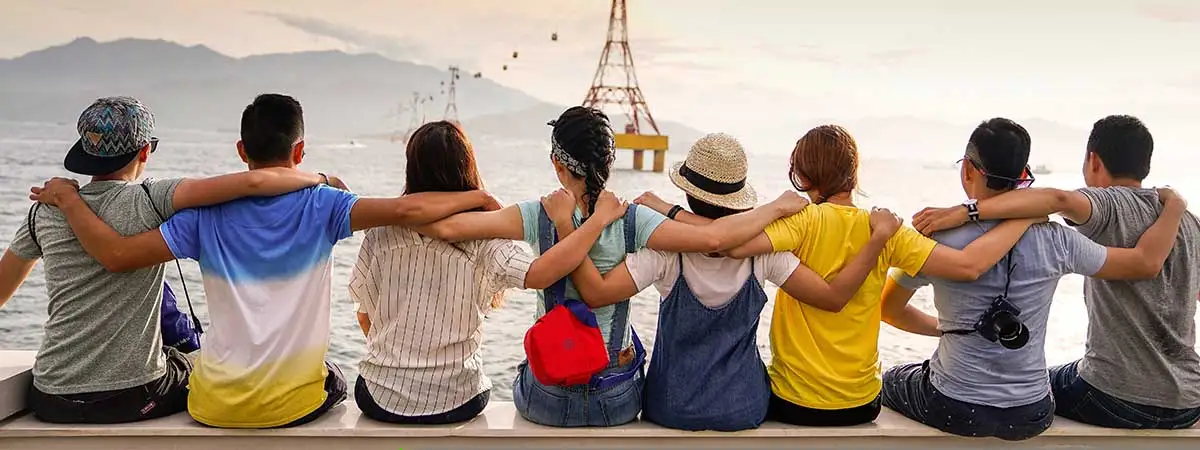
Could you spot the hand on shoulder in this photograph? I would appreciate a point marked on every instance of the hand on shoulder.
(790, 203)
(609, 208)
(55, 191)
(884, 223)
(1168, 196)
(932, 220)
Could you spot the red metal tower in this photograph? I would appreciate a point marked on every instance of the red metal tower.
(616, 82)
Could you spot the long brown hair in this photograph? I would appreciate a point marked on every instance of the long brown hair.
(440, 158)
(825, 160)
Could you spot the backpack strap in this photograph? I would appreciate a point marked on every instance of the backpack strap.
(547, 236)
(29, 222)
(183, 281)
(620, 317)
(631, 229)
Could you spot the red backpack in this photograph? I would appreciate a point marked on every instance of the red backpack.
(564, 347)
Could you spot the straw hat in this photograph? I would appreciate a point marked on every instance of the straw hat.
(715, 172)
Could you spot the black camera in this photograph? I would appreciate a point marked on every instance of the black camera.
(1002, 322)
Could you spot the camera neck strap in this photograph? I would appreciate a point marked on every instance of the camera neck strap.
(1007, 280)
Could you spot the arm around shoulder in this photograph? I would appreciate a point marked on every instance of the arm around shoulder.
(507, 223)
(980, 255)
(115, 252)
(267, 182)
(1145, 261)
(414, 209)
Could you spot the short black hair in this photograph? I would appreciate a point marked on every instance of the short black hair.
(271, 126)
(705, 209)
(1124, 145)
(1002, 146)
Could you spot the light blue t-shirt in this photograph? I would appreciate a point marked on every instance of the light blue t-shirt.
(972, 369)
(608, 251)
(267, 269)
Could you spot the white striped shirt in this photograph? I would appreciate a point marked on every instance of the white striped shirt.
(426, 300)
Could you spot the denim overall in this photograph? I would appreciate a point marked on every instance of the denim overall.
(706, 373)
(614, 396)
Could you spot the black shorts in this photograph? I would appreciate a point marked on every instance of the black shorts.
(159, 398)
(462, 413)
(781, 410)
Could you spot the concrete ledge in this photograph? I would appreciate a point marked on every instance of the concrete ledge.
(501, 427)
(16, 372)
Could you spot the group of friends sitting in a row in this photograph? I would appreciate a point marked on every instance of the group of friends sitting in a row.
(435, 260)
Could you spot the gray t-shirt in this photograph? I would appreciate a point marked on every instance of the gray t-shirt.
(1142, 334)
(103, 331)
(970, 368)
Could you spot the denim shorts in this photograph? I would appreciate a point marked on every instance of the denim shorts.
(577, 406)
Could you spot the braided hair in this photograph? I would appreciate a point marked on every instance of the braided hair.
(586, 137)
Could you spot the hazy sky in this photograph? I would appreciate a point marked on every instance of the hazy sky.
(746, 66)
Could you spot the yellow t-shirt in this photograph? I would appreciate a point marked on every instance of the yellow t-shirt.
(825, 360)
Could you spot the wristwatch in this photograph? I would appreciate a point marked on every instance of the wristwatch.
(972, 206)
(674, 211)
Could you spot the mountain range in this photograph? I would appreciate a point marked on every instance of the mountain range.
(196, 88)
(362, 96)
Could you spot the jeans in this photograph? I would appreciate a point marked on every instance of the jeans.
(576, 406)
(462, 413)
(907, 390)
(1079, 401)
(159, 398)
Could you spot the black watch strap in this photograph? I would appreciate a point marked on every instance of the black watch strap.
(972, 211)
(674, 212)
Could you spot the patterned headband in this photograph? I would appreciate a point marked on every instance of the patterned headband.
(565, 158)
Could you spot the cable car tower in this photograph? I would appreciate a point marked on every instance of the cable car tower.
(451, 113)
(416, 112)
(616, 83)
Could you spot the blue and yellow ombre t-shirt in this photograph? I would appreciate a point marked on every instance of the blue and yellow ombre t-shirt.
(266, 264)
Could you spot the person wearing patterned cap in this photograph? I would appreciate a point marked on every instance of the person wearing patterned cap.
(103, 359)
(267, 264)
(708, 316)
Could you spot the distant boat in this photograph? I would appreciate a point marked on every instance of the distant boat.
(1041, 169)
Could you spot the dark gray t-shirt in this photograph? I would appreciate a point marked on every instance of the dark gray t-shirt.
(103, 331)
(970, 368)
(1142, 334)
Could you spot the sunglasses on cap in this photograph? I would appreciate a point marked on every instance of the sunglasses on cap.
(1025, 180)
(153, 144)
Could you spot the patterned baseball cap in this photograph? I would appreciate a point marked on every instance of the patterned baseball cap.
(111, 132)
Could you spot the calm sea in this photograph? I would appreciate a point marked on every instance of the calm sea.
(30, 153)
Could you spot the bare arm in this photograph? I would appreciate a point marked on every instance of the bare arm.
(724, 233)
(597, 290)
(13, 272)
(1146, 260)
(414, 209)
(971, 262)
(759, 245)
(565, 255)
(808, 287)
(1016, 204)
(115, 252)
(503, 224)
(898, 313)
(652, 201)
(197, 192)
(687, 217)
